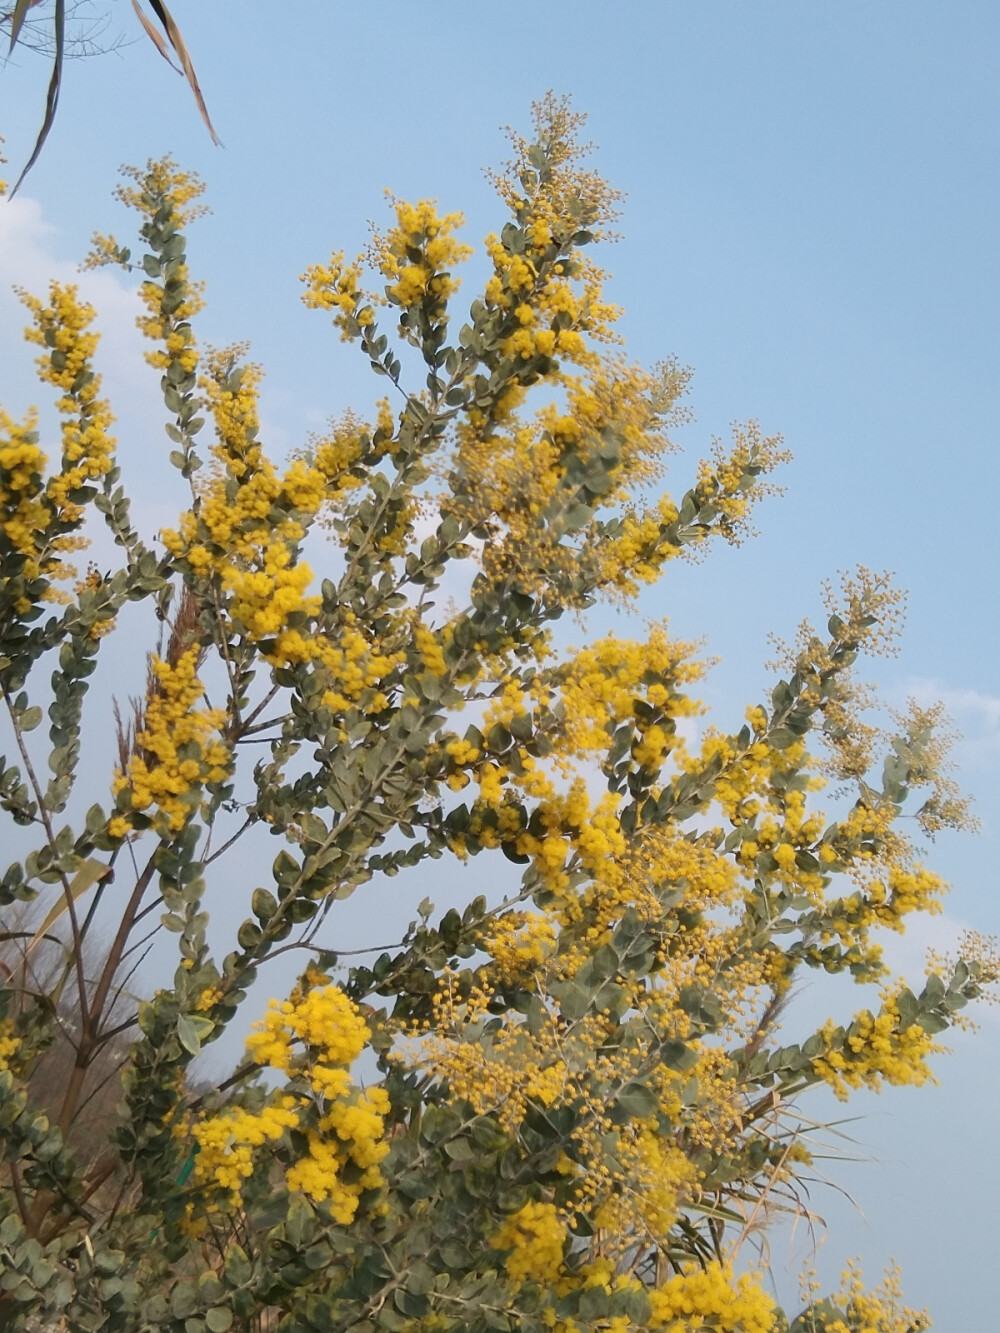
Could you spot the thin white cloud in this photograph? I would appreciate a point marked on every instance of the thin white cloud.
(975, 714)
(28, 259)
(984, 708)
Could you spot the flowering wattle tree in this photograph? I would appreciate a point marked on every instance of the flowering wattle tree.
(570, 1109)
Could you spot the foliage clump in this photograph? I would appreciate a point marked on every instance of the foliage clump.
(576, 1104)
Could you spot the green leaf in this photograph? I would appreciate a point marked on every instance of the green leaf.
(782, 697)
(678, 1055)
(605, 963)
(109, 1261)
(460, 1150)
(237, 1266)
(210, 1290)
(263, 904)
(594, 1304)
(638, 1101)
(192, 1030)
(29, 719)
(299, 1221)
(574, 1000)
(183, 1300)
(95, 819)
(456, 1255)
(576, 516)
(285, 869)
(220, 1319)
(249, 935)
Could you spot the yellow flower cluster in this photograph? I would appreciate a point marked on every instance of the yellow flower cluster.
(104, 250)
(880, 1310)
(520, 483)
(518, 472)
(910, 889)
(639, 551)
(25, 517)
(462, 753)
(750, 782)
(726, 481)
(664, 856)
(550, 208)
(165, 196)
(422, 230)
(518, 942)
(656, 1177)
(230, 530)
(232, 395)
(567, 196)
(572, 828)
(876, 1051)
(266, 595)
(37, 513)
(884, 902)
(335, 453)
(514, 276)
(226, 1142)
(600, 684)
(429, 646)
(177, 750)
(351, 1134)
(161, 182)
(357, 668)
(9, 1043)
(712, 1298)
(513, 480)
(630, 1178)
(552, 315)
(171, 326)
(534, 1237)
(336, 286)
(87, 447)
(318, 1035)
(324, 1020)
(500, 1075)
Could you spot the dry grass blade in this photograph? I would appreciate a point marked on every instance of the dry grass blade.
(89, 874)
(154, 36)
(17, 17)
(177, 42)
(52, 97)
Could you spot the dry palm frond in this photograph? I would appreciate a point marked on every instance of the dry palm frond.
(53, 35)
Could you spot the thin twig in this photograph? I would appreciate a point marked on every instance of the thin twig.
(252, 716)
(229, 841)
(51, 837)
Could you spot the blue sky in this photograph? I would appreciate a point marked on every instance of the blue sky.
(810, 222)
